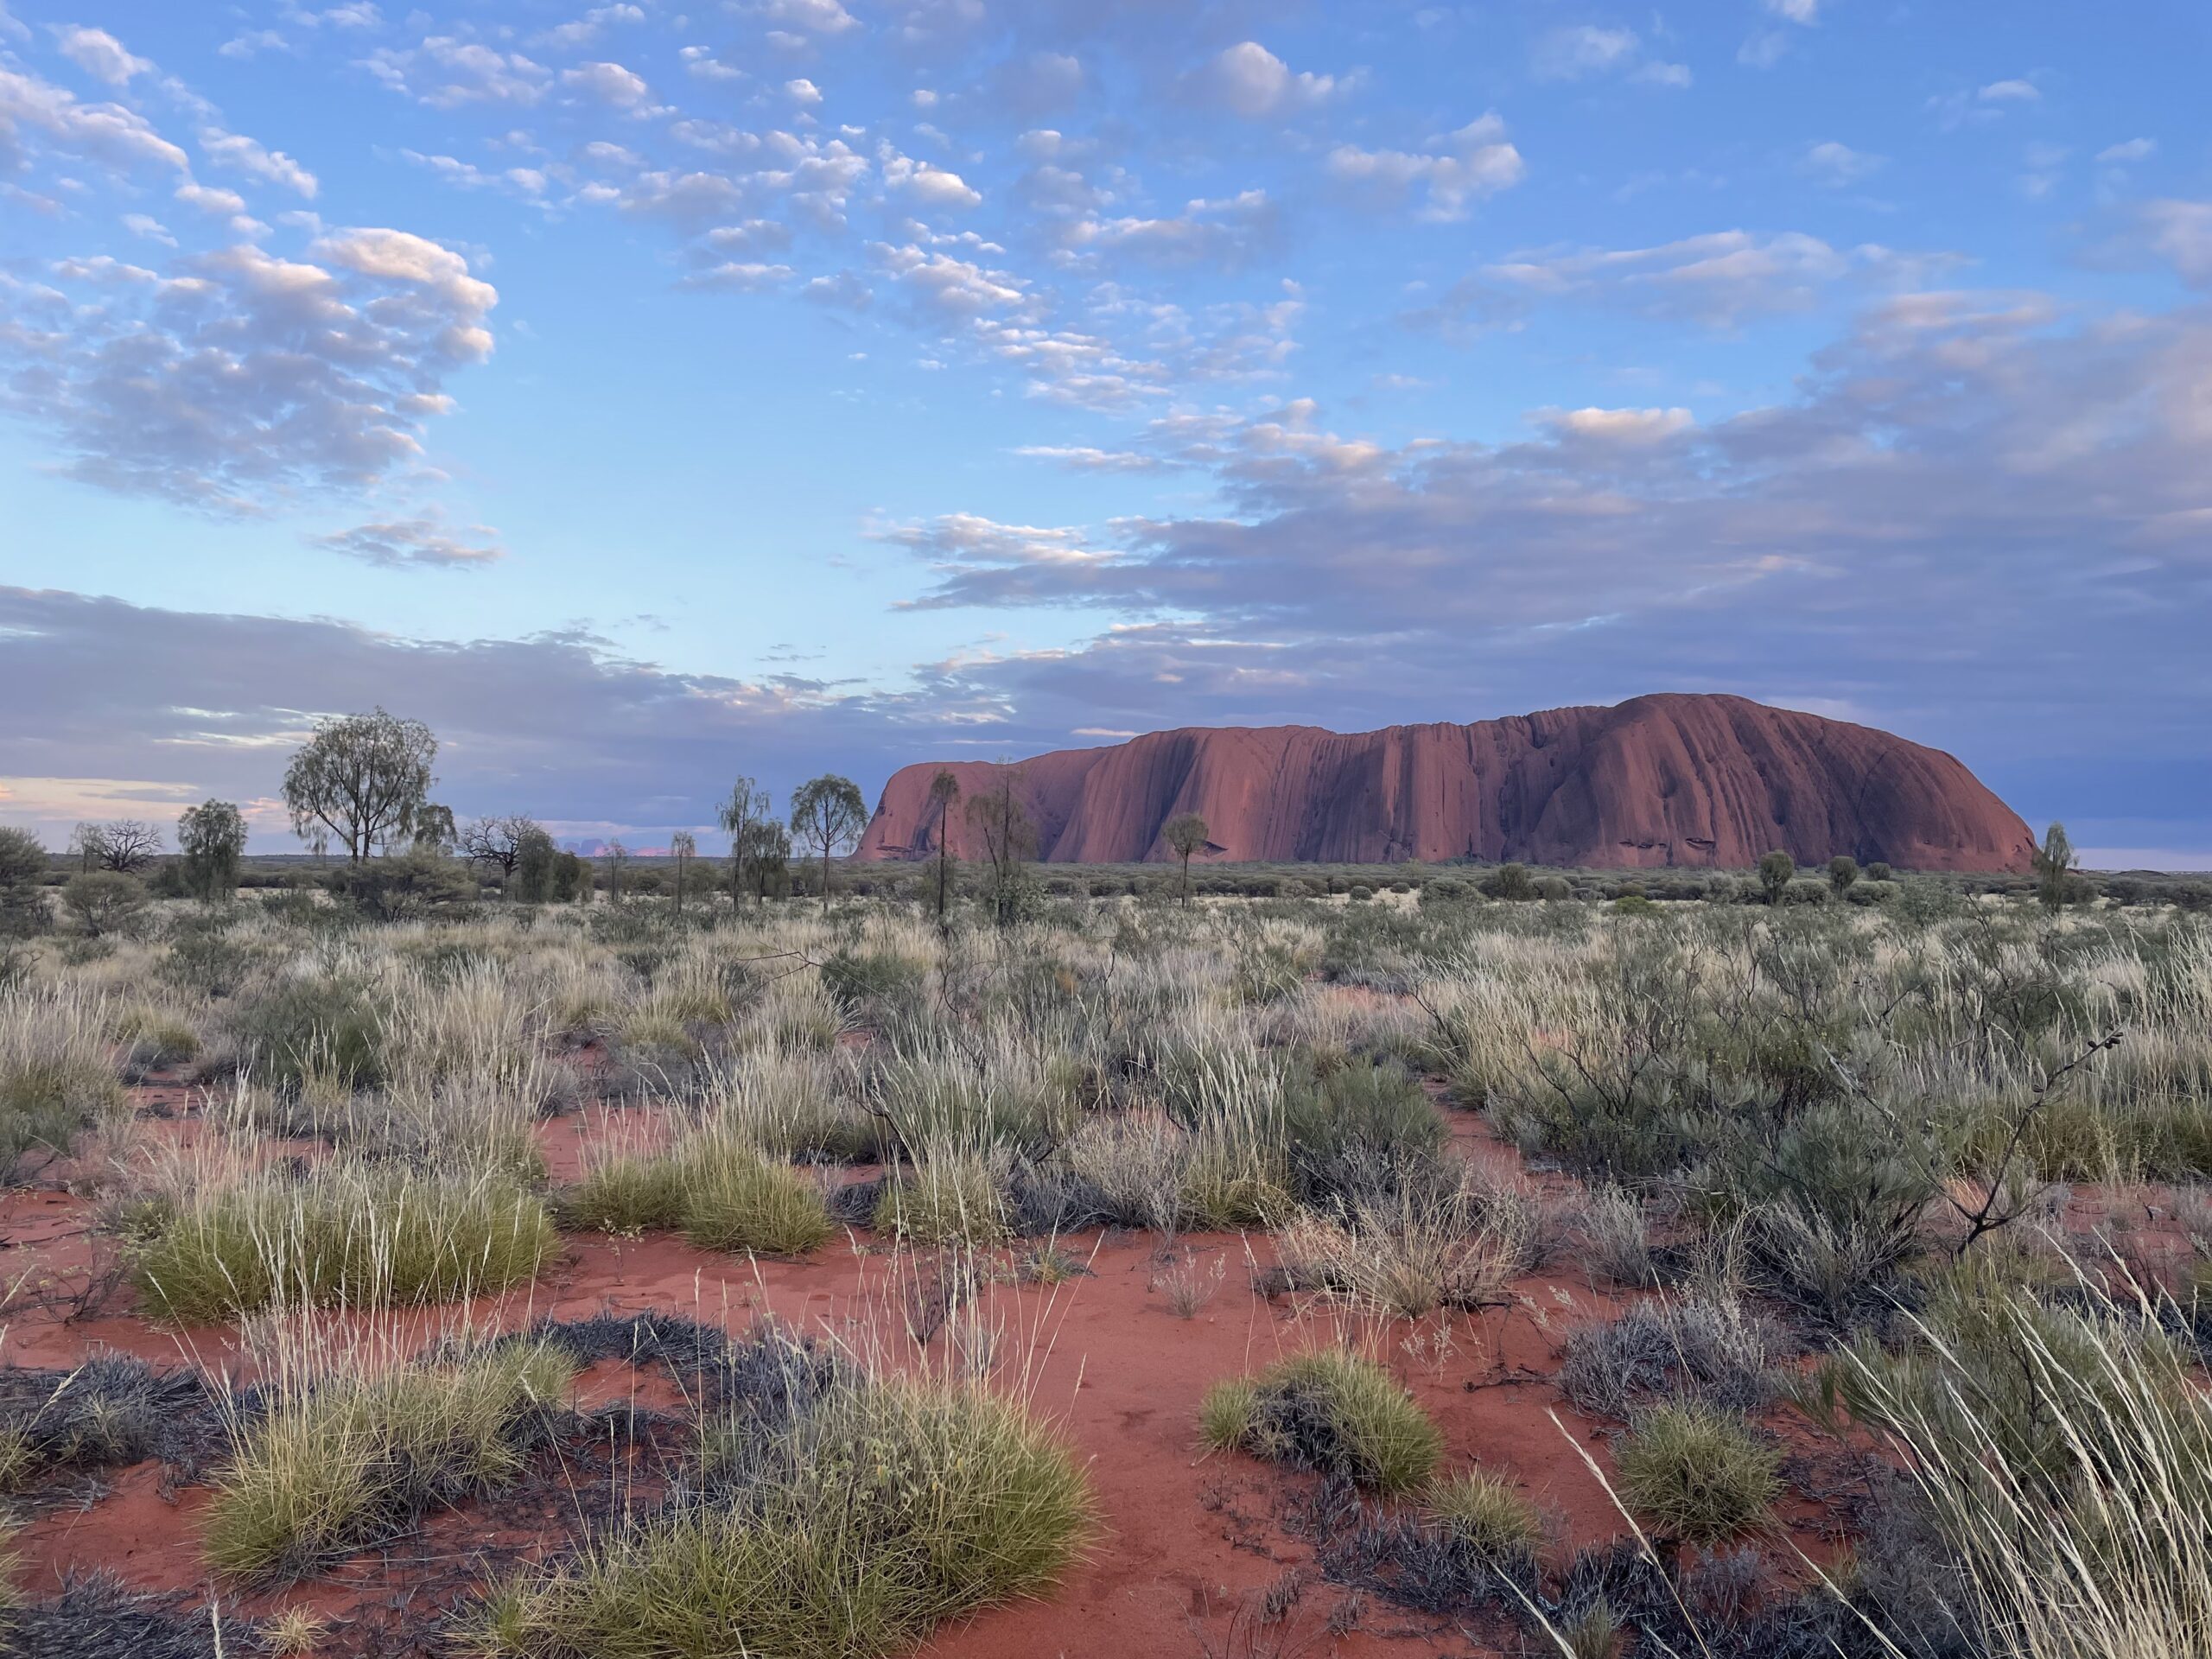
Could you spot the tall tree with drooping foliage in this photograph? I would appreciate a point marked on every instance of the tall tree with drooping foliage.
(211, 843)
(827, 816)
(2054, 864)
(742, 815)
(363, 778)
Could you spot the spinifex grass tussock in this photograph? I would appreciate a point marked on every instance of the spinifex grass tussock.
(339, 1463)
(715, 1184)
(342, 1233)
(2066, 1458)
(1331, 1410)
(732, 1197)
(1483, 1512)
(1697, 1473)
(804, 1106)
(874, 1512)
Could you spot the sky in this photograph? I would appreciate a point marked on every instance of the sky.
(646, 394)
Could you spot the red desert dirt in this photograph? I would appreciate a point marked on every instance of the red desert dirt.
(1191, 1542)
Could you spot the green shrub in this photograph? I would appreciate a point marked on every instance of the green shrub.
(336, 1466)
(880, 1513)
(102, 902)
(327, 1026)
(1343, 1124)
(1330, 1411)
(1698, 1474)
(404, 886)
(1509, 882)
(858, 978)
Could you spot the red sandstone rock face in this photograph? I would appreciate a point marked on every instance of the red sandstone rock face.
(1660, 781)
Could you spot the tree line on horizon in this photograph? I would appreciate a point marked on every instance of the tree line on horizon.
(363, 783)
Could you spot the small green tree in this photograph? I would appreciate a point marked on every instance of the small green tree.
(364, 779)
(1000, 822)
(23, 878)
(760, 859)
(617, 856)
(1843, 870)
(2053, 863)
(568, 878)
(534, 856)
(434, 832)
(682, 848)
(1777, 870)
(747, 807)
(1186, 834)
(944, 790)
(827, 816)
(1511, 881)
(211, 843)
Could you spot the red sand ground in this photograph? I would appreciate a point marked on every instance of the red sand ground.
(1188, 1541)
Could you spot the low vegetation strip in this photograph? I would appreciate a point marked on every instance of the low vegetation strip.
(1726, 1177)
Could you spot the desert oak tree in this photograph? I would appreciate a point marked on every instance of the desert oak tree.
(364, 778)
(827, 816)
(1186, 834)
(211, 839)
(742, 815)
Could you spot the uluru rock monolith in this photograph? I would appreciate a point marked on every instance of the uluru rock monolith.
(1663, 780)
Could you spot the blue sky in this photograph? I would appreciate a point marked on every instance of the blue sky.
(643, 394)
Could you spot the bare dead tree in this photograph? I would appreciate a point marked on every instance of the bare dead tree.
(500, 843)
(126, 845)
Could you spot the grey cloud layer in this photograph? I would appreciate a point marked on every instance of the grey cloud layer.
(1968, 494)
(557, 727)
